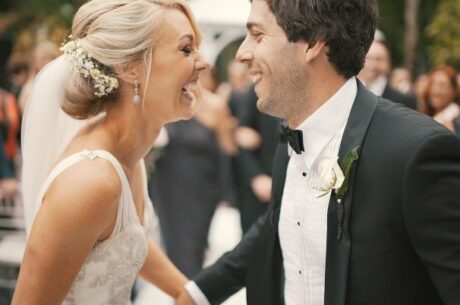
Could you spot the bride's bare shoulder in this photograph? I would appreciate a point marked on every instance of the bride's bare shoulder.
(90, 188)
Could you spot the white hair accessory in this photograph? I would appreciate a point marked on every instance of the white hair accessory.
(103, 83)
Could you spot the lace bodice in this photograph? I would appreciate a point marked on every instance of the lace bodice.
(108, 273)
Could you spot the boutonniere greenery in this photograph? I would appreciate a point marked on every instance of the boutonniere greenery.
(335, 177)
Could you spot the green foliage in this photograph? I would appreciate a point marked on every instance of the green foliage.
(391, 22)
(444, 30)
(49, 7)
(40, 10)
(346, 164)
(30, 20)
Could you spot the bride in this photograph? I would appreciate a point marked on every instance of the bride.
(129, 67)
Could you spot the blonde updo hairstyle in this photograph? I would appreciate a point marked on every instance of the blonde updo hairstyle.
(116, 33)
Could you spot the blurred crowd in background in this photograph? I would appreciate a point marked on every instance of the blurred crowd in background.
(223, 155)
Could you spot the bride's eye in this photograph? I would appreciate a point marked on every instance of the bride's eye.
(187, 50)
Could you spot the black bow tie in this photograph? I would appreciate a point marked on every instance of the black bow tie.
(293, 137)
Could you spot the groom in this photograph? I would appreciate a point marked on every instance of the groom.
(385, 229)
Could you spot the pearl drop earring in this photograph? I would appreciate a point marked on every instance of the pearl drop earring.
(136, 97)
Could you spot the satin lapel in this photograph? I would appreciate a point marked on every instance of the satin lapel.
(281, 161)
(338, 249)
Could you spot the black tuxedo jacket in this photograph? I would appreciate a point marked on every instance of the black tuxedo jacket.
(401, 238)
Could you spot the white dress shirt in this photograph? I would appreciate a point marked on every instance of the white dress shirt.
(303, 216)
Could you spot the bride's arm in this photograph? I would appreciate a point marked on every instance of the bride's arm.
(157, 269)
(161, 272)
(75, 213)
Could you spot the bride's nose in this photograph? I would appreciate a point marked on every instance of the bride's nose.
(201, 63)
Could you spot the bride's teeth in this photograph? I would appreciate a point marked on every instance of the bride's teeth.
(256, 78)
(191, 87)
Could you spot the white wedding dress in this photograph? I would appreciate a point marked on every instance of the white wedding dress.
(108, 274)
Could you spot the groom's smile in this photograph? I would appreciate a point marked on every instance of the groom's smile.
(277, 66)
(256, 77)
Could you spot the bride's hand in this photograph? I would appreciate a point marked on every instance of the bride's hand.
(184, 299)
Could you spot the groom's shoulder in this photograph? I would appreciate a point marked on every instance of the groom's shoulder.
(405, 123)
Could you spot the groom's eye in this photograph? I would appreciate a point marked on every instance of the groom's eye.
(257, 35)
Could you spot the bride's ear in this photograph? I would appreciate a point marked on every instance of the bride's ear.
(128, 72)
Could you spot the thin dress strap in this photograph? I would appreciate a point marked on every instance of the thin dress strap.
(126, 204)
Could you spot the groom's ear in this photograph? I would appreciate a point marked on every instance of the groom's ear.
(128, 72)
(314, 51)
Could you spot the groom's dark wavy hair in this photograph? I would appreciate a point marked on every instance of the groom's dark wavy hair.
(347, 27)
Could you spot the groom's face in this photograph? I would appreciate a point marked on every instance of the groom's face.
(276, 65)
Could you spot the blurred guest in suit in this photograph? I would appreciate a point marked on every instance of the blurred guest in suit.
(375, 73)
(401, 80)
(238, 82)
(192, 157)
(253, 164)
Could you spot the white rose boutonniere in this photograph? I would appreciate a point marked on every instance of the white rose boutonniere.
(331, 176)
(337, 177)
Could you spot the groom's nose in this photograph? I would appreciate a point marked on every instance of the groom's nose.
(244, 54)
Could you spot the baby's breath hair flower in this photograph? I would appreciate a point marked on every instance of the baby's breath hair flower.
(104, 83)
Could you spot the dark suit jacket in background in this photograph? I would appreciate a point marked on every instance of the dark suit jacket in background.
(401, 238)
(457, 126)
(251, 163)
(392, 94)
(6, 47)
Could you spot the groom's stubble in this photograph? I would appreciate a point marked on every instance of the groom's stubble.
(287, 91)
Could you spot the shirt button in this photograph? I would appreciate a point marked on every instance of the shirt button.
(298, 223)
(300, 271)
(304, 174)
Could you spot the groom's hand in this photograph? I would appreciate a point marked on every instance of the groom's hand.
(184, 299)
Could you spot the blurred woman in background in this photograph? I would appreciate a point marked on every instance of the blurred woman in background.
(441, 97)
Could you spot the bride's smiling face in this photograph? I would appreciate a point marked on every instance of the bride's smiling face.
(176, 65)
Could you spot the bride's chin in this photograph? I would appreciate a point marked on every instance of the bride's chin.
(187, 107)
(182, 114)
(188, 114)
